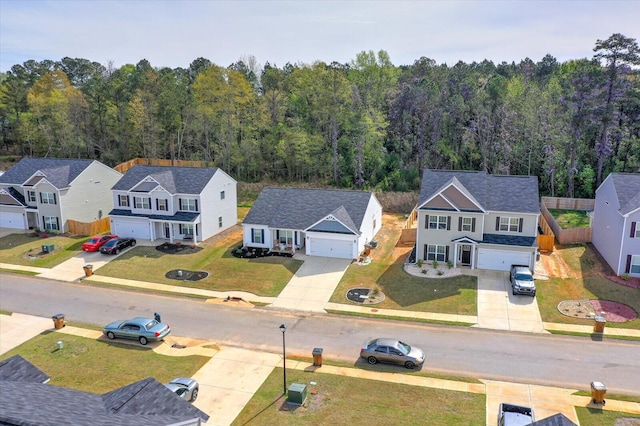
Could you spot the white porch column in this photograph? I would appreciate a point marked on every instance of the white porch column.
(455, 254)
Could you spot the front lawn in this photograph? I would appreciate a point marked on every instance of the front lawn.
(340, 400)
(26, 249)
(598, 417)
(99, 366)
(570, 218)
(455, 295)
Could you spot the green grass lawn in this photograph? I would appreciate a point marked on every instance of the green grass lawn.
(570, 218)
(598, 417)
(97, 366)
(455, 295)
(16, 249)
(341, 400)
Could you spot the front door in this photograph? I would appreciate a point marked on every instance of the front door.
(167, 231)
(466, 255)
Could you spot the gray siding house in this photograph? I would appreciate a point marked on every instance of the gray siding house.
(45, 193)
(477, 219)
(616, 222)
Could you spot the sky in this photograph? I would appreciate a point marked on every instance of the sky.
(174, 33)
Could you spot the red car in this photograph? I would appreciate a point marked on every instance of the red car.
(96, 242)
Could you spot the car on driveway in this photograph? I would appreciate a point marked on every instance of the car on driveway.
(522, 280)
(116, 245)
(391, 351)
(94, 243)
(186, 389)
(141, 329)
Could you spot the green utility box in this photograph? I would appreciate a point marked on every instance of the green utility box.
(297, 393)
(47, 248)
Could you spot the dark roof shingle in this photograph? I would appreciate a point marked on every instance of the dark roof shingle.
(176, 180)
(59, 171)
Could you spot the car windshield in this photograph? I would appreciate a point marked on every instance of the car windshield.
(92, 241)
(404, 348)
(151, 324)
(524, 277)
(111, 243)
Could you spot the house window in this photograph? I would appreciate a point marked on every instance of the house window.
(142, 203)
(466, 224)
(436, 252)
(47, 198)
(220, 222)
(256, 236)
(31, 196)
(285, 237)
(636, 233)
(437, 222)
(222, 195)
(186, 229)
(161, 205)
(123, 200)
(509, 224)
(189, 204)
(51, 223)
(635, 265)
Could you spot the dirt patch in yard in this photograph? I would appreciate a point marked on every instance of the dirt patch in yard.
(587, 309)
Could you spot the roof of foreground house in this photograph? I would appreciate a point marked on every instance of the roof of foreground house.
(17, 368)
(60, 172)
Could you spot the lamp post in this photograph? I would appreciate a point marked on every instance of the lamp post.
(283, 328)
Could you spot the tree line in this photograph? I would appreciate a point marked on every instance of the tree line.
(363, 124)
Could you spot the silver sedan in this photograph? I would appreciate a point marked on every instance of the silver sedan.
(186, 389)
(391, 351)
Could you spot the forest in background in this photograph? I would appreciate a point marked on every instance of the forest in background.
(366, 124)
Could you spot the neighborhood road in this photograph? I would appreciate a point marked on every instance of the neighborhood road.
(552, 360)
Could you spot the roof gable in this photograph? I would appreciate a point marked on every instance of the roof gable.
(60, 172)
(627, 189)
(18, 369)
(175, 180)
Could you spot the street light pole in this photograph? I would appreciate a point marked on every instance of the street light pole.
(283, 328)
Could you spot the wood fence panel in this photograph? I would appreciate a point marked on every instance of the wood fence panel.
(408, 237)
(545, 243)
(124, 167)
(586, 204)
(569, 235)
(90, 228)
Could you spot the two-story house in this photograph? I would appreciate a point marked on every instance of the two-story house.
(45, 193)
(478, 219)
(616, 222)
(185, 203)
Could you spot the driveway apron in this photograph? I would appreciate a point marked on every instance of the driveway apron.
(498, 309)
(313, 284)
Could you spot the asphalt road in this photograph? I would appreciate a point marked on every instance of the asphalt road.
(553, 360)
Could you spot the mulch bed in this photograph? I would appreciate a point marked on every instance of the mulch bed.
(184, 275)
(629, 282)
(170, 248)
(364, 296)
(587, 309)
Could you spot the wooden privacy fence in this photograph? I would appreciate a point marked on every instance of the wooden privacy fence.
(83, 228)
(408, 234)
(546, 239)
(569, 235)
(123, 167)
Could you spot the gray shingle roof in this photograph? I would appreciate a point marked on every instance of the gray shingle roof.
(176, 180)
(144, 403)
(493, 192)
(555, 420)
(18, 369)
(177, 217)
(59, 171)
(627, 187)
(300, 208)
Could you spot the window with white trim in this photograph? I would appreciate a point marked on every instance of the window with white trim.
(142, 203)
(437, 222)
(635, 265)
(285, 236)
(467, 224)
(220, 222)
(436, 252)
(48, 198)
(31, 196)
(509, 224)
(257, 235)
(123, 200)
(162, 205)
(189, 204)
(637, 234)
(51, 223)
(186, 229)
(222, 195)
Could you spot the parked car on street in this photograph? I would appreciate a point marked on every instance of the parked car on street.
(94, 243)
(522, 280)
(391, 351)
(116, 245)
(186, 389)
(141, 329)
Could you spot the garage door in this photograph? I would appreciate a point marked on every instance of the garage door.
(11, 220)
(331, 248)
(125, 228)
(501, 260)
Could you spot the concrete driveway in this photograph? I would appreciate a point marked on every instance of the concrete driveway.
(500, 310)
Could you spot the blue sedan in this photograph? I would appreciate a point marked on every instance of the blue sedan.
(141, 329)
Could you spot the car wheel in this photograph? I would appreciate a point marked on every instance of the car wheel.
(410, 365)
(133, 243)
(372, 360)
(194, 394)
(513, 291)
(143, 340)
(116, 251)
(110, 335)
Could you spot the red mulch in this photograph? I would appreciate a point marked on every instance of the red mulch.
(629, 282)
(614, 311)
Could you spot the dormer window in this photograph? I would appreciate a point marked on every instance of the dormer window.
(31, 196)
(142, 203)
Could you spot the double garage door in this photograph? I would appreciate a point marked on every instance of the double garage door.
(11, 220)
(501, 260)
(125, 228)
(331, 248)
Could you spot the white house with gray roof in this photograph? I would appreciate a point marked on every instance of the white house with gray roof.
(477, 219)
(173, 203)
(321, 222)
(616, 222)
(45, 193)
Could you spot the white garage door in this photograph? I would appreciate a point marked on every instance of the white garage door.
(331, 248)
(125, 228)
(11, 220)
(501, 260)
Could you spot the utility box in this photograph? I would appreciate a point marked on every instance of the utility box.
(297, 393)
(47, 248)
(598, 391)
(317, 357)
